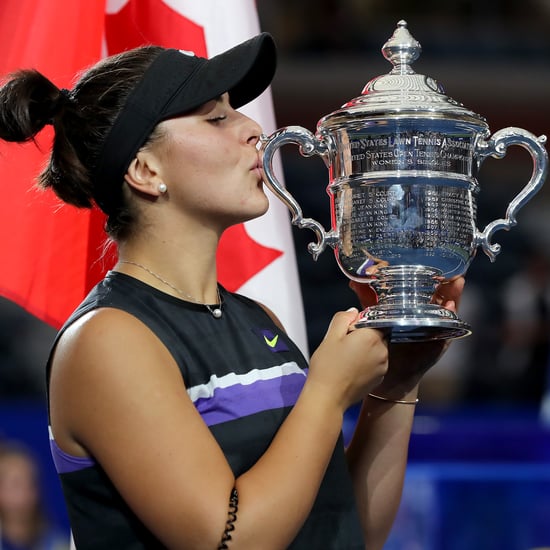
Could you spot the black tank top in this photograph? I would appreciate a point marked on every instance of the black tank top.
(244, 375)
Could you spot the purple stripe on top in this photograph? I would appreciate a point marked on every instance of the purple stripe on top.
(239, 400)
(66, 463)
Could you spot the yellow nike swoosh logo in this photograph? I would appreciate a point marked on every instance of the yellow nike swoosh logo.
(273, 342)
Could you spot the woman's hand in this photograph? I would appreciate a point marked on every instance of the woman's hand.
(409, 361)
(348, 363)
(448, 293)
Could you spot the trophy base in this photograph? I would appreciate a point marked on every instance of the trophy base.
(404, 309)
(427, 323)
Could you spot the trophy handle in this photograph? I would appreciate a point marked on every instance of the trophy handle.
(309, 145)
(496, 147)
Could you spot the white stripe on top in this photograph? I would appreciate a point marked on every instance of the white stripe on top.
(203, 391)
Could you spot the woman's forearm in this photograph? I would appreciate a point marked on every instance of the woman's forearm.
(279, 491)
(377, 458)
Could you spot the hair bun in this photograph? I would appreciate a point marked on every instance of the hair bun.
(28, 101)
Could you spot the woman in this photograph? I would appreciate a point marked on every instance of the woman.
(181, 415)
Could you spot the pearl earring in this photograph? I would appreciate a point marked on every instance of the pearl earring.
(162, 188)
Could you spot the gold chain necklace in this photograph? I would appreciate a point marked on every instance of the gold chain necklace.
(216, 312)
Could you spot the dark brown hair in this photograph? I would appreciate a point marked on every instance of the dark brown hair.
(81, 119)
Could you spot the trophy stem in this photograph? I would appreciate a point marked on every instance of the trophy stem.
(404, 308)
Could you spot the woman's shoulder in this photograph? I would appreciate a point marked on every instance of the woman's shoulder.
(102, 332)
(105, 355)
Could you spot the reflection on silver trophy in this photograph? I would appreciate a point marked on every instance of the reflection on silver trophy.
(402, 160)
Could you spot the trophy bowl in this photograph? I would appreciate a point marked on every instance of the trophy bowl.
(403, 160)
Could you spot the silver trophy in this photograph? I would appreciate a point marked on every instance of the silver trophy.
(402, 160)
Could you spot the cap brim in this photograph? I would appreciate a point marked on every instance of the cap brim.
(244, 71)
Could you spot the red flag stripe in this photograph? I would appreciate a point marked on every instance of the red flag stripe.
(44, 260)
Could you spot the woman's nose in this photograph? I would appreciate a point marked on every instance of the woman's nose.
(253, 131)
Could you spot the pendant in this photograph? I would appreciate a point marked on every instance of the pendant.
(216, 312)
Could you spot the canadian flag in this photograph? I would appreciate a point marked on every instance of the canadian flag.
(52, 254)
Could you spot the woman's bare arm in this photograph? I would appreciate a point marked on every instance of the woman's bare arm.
(377, 454)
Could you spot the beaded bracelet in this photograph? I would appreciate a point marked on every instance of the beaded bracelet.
(400, 401)
(231, 519)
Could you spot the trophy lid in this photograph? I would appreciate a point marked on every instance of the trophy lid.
(402, 90)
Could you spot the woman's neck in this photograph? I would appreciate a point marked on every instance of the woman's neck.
(188, 271)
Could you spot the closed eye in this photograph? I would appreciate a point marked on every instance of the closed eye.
(217, 119)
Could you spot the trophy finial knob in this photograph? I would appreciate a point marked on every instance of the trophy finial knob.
(402, 49)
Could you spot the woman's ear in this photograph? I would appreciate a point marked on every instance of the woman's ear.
(142, 174)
